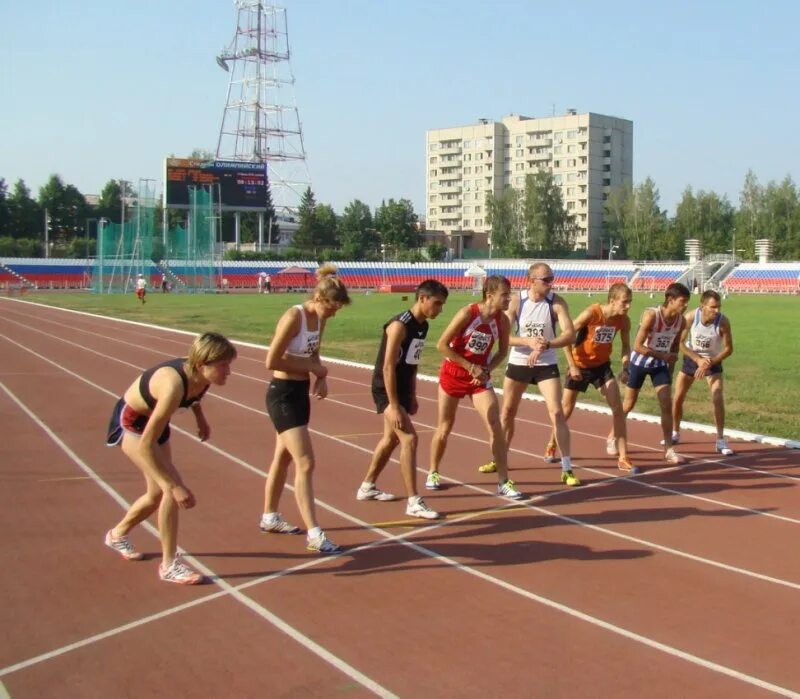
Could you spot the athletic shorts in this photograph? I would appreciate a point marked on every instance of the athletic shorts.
(382, 401)
(690, 366)
(660, 376)
(457, 382)
(126, 419)
(532, 374)
(597, 376)
(140, 293)
(288, 403)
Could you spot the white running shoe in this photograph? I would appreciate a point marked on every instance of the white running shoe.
(723, 448)
(277, 525)
(180, 573)
(676, 438)
(123, 547)
(509, 490)
(674, 458)
(418, 508)
(611, 447)
(322, 544)
(373, 493)
(433, 481)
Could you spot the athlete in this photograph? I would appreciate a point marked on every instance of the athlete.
(654, 353)
(140, 424)
(466, 370)
(589, 363)
(535, 312)
(394, 390)
(293, 356)
(141, 288)
(706, 341)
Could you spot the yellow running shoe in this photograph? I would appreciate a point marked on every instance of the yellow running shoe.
(569, 478)
(491, 467)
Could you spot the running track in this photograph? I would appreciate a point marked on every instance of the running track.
(680, 582)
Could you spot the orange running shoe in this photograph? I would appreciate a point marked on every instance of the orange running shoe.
(551, 453)
(626, 465)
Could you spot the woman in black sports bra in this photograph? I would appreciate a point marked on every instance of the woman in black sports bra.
(140, 424)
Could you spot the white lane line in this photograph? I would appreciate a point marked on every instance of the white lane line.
(293, 633)
(675, 652)
(4, 692)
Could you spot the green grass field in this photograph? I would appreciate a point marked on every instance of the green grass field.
(761, 377)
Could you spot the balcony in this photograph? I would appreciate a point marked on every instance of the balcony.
(450, 188)
(450, 150)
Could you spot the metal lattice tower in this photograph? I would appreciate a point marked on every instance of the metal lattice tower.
(261, 122)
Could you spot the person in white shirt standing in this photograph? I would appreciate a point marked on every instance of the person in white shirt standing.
(706, 341)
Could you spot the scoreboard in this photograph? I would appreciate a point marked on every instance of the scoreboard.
(240, 185)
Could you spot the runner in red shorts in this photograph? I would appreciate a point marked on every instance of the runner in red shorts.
(467, 344)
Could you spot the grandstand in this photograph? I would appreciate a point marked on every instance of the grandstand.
(776, 277)
(764, 278)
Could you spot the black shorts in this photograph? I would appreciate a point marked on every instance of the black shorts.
(125, 419)
(597, 376)
(532, 374)
(690, 366)
(660, 375)
(382, 401)
(288, 403)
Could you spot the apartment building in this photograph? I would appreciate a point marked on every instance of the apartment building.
(588, 154)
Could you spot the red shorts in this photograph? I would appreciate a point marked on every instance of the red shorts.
(457, 382)
(140, 293)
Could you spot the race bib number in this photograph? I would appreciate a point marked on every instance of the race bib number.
(312, 344)
(604, 334)
(662, 343)
(479, 343)
(532, 330)
(702, 343)
(414, 351)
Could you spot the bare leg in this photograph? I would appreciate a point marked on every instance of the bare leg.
(664, 395)
(444, 426)
(611, 391)
(718, 401)
(276, 476)
(382, 453)
(297, 442)
(512, 395)
(488, 408)
(551, 392)
(682, 385)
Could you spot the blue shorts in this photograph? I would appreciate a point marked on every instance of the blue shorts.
(690, 366)
(659, 375)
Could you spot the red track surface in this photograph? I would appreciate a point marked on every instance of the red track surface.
(680, 582)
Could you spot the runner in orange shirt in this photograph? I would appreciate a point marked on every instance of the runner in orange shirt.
(589, 362)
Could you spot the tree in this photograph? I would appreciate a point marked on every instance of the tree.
(706, 217)
(397, 223)
(305, 236)
(357, 234)
(67, 210)
(25, 215)
(547, 226)
(634, 217)
(503, 217)
(327, 226)
(109, 206)
(5, 212)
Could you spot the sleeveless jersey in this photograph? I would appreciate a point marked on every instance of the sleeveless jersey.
(476, 342)
(409, 354)
(660, 339)
(593, 344)
(177, 364)
(704, 339)
(306, 342)
(535, 319)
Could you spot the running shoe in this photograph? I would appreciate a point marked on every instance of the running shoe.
(674, 458)
(277, 525)
(723, 448)
(178, 572)
(322, 544)
(490, 467)
(418, 508)
(550, 453)
(373, 493)
(569, 478)
(433, 481)
(509, 490)
(123, 547)
(676, 438)
(611, 447)
(626, 465)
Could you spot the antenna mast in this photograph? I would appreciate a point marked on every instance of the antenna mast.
(261, 122)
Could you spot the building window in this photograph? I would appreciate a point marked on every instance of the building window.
(520, 153)
(434, 146)
(572, 134)
(570, 206)
(467, 144)
(557, 150)
(571, 149)
(432, 197)
(466, 222)
(467, 170)
(519, 166)
(478, 221)
(556, 163)
(519, 140)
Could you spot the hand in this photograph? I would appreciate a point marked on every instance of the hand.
(623, 375)
(203, 428)
(320, 388)
(574, 372)
(703, 368)
(395, 416)
(320, 371)
(183, 496)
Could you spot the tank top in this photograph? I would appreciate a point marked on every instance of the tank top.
(177, 364)
(660, 339)
(476, 342)
(306, 342)
(594, 340)
(408, 357)
(704, 339)
(535, 319)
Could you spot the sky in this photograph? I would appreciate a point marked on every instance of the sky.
(96, 90)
